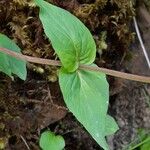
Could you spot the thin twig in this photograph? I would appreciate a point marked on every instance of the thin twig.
(25, 142)
(114, 73)
(141, 42)
(51, 100)
(117, 74)
(31, 59)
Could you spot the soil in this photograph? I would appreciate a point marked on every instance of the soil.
(28, 108)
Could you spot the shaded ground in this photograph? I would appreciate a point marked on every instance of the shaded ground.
(27, 108)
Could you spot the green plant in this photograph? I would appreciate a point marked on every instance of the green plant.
(9, 64)
(86, 93)
(50, 141)
(142, 142)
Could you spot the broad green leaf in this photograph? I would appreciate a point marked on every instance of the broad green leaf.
(70, 38)
(146, 145)
(86, 95)
(49, 141)
(111, 126)
(9, 64)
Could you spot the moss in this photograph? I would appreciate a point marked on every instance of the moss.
(29, 3)
(21, 23)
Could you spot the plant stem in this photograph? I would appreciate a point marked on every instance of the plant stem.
(141, 42)
(114, 73)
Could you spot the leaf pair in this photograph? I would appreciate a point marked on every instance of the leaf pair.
(86, 93)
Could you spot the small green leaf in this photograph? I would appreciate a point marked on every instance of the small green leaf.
(70, 38)
(111, 126)
(49, 141)
(86, 95)
(9, 64)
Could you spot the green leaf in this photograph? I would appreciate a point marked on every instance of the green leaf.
(70, 38)
(86, 95)
(49, 141)
(8, 64)
(146, 145)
